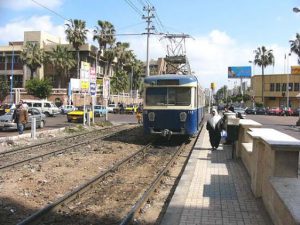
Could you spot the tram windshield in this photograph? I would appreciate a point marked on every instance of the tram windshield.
(180, 96)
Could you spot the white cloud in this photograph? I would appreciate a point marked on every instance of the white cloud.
(25, 4)
(14, 31)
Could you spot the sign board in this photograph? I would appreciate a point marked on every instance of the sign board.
(239, 72)
(106, 87)
(93, 76)
(75, 84)
(93, 88)
(295, 70)
(84, 85)
(85, 70)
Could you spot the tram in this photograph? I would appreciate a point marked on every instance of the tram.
(173, 105)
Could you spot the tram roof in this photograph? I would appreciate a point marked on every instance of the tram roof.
(183, 79)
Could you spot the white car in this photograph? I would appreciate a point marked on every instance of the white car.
(110, 107)
(67, 108)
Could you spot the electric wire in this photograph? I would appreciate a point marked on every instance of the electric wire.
(56, 13)
(132, 5)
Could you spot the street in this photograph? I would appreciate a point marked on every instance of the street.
(285, 124)
(61, 121)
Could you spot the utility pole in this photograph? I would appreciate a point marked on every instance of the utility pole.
(148, 18)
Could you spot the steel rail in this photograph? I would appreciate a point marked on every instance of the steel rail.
(59, 151)
(24, 148)
(77, 192)
(147, 194)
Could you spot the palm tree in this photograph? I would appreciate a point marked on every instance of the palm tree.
(123, 55)
(105, 36)
(295, 46)
(263, 58)
(32, 56)
(76, 35)
(62, 60)
(119, 82)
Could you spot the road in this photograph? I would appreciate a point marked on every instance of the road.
(285, 124)
(61, 121)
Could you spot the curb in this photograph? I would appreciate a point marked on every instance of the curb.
(28, 135)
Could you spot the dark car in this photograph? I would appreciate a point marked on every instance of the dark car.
(250, 111)
(260, 111)
(296, 112)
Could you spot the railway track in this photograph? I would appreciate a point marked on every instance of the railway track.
(29, 187)
(115, 195)
(25, 154)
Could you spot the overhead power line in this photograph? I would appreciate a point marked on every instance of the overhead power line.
(45, 7)
(132, 5)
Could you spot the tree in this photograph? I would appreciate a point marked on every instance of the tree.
(4, 88)
(119, 82)
(105, 36)
(263, 58)
(295, 46)
(76, 35)
(32, 56)
(62, 60)
(39, 88)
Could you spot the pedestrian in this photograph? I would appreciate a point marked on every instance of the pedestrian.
(20, 117)
(139, 114)
(214, 127)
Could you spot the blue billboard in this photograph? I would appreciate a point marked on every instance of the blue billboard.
(239, 72)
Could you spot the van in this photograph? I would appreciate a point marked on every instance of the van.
(46, 107)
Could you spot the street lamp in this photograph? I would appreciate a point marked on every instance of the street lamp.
(12, 73)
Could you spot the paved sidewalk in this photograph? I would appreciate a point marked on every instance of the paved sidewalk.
(214, 190)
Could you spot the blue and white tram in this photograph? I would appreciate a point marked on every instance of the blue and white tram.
(173, 105)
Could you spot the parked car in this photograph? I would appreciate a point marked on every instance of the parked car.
(131, 109)
(260, 111)
(100, 110)
(77, 115)
(287, 111)
(250, 111)
(111, 107)
(296, 112)
(5, 108)
(67, 108)
(6, 120)
(275, 111)
(240, 113)
(46, 107)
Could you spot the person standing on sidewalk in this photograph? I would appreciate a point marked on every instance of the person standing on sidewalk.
(20, 117)
(214, 127)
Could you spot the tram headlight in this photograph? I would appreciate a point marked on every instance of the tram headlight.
(151, 116)
(182, 116)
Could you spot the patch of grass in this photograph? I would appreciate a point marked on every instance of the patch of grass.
(103, 123)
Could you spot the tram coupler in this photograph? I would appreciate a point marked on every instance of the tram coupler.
(167, 133)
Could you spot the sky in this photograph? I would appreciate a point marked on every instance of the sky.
(223, 32)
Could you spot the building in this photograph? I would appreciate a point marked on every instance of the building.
(15, 71)
(46, 42)
(276, 93)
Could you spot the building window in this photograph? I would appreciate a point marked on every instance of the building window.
(277, 86)
(272, 87)
(290, 86)
(296, 86)
(283, 87)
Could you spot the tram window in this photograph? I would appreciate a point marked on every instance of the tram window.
(156, 96)
(168, 96)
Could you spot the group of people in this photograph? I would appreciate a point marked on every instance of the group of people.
(20, 116)
(215, 125)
